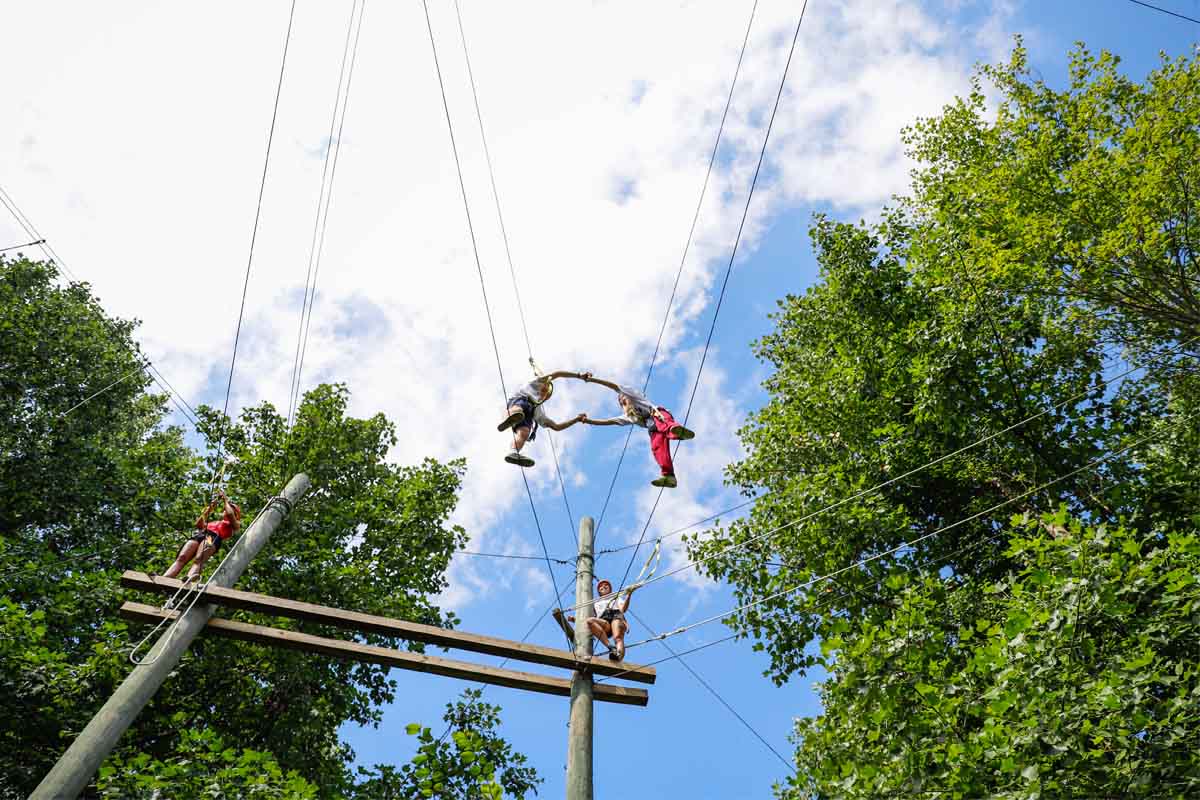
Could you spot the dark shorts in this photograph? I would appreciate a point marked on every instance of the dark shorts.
(526, 405)
(212, 539)
(612, 614)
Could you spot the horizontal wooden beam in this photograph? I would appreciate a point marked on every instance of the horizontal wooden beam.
(353, 651)
(412, 631)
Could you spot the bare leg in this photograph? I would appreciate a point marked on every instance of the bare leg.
(600, 630)
(520, 435)
(619, 627)
(206, 551)
(186, 554)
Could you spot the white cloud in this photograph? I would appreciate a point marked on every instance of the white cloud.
(137, 147)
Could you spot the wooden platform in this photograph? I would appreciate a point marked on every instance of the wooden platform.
(354, 651)
(411, 631)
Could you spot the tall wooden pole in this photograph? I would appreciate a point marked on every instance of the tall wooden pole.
(579, 743)
(71, 774)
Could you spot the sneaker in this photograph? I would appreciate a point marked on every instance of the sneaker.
(682, 433)
(666, 482)
(514, 418)
(612, 656)
(520, 460)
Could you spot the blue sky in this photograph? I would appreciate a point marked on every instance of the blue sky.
(600, 131)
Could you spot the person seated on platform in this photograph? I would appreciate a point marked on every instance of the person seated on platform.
(525, 414)
(207, 538)
(610, 619)
(637, 410)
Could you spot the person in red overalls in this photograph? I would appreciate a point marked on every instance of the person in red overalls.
(207, 538)
(637, 410)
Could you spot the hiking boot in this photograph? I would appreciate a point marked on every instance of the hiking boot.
(520, 460)
(515, 418)
(682, 433)
(666, 482)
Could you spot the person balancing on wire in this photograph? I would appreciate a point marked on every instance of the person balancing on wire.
(525, 414)
(207, 538)
(639, 411)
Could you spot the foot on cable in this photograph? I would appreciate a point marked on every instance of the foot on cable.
(682, 433)
(612, 656)
(515, 457)
(666, 482)
(512, 419)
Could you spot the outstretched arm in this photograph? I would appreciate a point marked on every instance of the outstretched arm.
(587, 377)
(202, 520)
(566, 373)
(625, 602)
(609, 421)
(562, 426)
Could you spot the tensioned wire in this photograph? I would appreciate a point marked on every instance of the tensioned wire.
(487, 153)
(479, 269)
(890, 481)
(262, 186)
(891, 551)
(1061, 404)
(51, 255)
(313, 256)
(674, 288)
(907, 545)
(687, 246)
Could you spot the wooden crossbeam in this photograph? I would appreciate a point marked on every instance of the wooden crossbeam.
(293, 640)
(412, 631)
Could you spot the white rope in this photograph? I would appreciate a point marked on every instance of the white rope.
(909, 473)
(943, 529)
(644, 577)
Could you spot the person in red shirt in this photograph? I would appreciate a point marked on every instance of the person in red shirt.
(207, 538)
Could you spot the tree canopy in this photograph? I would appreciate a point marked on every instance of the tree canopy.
(1016, 335)
(106, 486)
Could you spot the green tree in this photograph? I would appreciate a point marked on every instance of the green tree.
(1075, 675)
(955, 319)
(86, 491)
(202, 766)
(470, 761)
(108, 487)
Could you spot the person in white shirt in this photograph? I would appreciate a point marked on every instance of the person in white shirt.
(637, 410)
(525, 414)
(609, 619)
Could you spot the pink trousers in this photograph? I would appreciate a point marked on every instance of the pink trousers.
(660, 441)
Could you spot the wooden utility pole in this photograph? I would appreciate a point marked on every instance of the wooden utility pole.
(579, 741)
(71, 774)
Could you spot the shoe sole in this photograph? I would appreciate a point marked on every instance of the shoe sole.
(682, 433)
(510, 420)
(520, 462)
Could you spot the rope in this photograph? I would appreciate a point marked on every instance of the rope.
(94, 395)
(828, 576)
(732, 255)
(254, 230)
(479, 268)
(686, 248)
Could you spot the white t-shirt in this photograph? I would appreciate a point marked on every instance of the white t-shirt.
(612, 601)
(532, 392)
